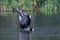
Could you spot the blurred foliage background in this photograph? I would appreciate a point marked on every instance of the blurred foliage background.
(46, 7)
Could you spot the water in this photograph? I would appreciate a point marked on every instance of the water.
(46, 27)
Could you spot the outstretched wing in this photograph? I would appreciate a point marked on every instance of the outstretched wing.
(18, 11)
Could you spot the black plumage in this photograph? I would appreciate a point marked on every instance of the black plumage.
(25, 19)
